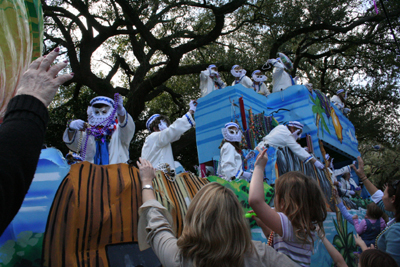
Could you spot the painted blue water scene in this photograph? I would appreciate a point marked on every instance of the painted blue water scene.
(24, 236)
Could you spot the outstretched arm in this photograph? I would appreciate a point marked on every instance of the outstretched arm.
(178, 127)
(335, 255)
(363, 178)
(256, 196)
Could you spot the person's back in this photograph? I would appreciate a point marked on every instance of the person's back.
(216, 232)
(372, 231)
(299, 209)
(372, 225)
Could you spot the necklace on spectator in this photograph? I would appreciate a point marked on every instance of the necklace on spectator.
(270, 239)
(381, 233)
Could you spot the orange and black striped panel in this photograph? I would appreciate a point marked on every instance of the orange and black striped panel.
(96, 206)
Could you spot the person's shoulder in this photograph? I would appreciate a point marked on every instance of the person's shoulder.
(227, 145)
(395, 229)
(280, 127)
(151, 136)
(269, 256)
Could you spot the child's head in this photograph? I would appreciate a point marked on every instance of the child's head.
(300, 198)
(373, 211)
(376, 257)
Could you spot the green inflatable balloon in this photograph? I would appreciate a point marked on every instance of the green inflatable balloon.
(21, 41)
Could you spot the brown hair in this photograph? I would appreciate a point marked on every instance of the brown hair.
(236, 145)
(157, 121)
(300, 198)
(376, 257)
(396, 193)
(216, 232)
(373, 211)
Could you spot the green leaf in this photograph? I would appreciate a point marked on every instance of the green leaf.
(314, 109)
(325, 126)
(317, 102)
(338, 242)
(350, 239)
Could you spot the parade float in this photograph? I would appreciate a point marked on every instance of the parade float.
(85, 214)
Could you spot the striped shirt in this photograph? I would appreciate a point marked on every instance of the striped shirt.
(289, 244)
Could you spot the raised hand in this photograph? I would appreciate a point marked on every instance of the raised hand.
(40, 79)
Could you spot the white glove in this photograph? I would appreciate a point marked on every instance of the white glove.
(247, 175)
(339, 184)
(77, 125)
(351, 192)
(319, 165)
(193, 105)
(346, 110)
(120, 107)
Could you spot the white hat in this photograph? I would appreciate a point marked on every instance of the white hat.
(150, 120)
(296, 124)
(232, 124)
(102, 100)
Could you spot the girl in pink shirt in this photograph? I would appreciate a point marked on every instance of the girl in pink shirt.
(372, 225)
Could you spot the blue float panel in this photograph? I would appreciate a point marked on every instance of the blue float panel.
(295, 103)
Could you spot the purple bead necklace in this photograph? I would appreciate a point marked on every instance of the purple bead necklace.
(98, 132)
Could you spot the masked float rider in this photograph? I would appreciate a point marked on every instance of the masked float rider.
(210, 80)
(335, 173)
(286, 136)
(280, 78)
(107, 141)
(240, 77)
(258, 83)
(230, 165)
(157, 147)
(348, 186)
(339, 100)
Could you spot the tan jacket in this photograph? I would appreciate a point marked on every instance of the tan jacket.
(155, 230)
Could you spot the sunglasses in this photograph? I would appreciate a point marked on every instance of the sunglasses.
(395, 183)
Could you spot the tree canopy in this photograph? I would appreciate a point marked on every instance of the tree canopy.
(151, 52)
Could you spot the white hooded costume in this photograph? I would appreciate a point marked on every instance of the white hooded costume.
(210, 81)
(157, 147)
(349, 187)
(339, 103)
(230, 162)
(281, 136)
(280, 78)
(240, 77)
(118, 146)
(259, 88)
(335, 173)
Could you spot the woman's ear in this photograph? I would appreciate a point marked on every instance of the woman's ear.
(393, 199)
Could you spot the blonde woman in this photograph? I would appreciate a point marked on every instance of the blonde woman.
(215, 232)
